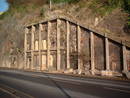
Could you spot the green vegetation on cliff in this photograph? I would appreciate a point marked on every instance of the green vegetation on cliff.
(65, 1)
(100, 7)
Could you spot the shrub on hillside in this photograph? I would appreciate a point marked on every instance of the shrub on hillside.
(64, 1)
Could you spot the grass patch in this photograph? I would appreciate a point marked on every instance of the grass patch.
(65, 1)
(103, 7)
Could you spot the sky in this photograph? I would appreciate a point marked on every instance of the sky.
(3, 5)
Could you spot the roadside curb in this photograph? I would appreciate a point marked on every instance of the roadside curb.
(121, 79)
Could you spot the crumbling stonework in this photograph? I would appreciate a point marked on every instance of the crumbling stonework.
(66, 45)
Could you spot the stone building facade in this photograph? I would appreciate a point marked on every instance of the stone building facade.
(61, 44)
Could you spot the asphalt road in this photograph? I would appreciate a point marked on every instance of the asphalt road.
(43, 85)
(4, 94)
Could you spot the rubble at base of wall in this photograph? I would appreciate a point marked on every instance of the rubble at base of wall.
(79, 72)
(127, 75)
(83, 72)
(111, 73)
(69, 71)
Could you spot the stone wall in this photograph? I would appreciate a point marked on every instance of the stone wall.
(115, 56)
(99, 52)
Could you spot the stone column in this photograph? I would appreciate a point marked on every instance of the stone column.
(58, 44)
(48, 44)
(25, 49)
(32, 47)
(79, 47)
(92, 53)
(40, 47)
(68, 45)
(124, 59)
(107, 54)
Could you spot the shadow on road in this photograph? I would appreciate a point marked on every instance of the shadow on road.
(58, 86)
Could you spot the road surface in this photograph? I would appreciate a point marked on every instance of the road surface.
(44, 85)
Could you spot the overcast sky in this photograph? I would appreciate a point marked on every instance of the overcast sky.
(3, 5)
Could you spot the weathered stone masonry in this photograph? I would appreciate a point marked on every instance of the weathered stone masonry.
(61, 44)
